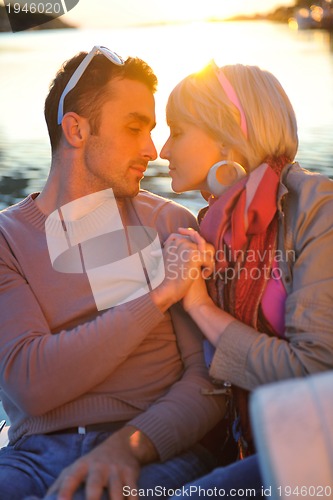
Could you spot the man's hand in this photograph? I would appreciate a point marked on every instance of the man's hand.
(113, 464)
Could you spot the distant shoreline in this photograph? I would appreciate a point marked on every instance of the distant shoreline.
(280, 15)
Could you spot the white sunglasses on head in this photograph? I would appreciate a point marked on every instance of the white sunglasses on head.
(112, 56)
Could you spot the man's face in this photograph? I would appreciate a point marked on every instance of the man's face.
(118, 155)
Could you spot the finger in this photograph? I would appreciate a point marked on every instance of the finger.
(68, 482)
(177, 239)
(130, 481)
(199, 258)
(189, 254)
(179, 246)
(95, 483)
(208, 256)
(206, 272)
(208, 268)
(195, 237)
(64, 489)
(208, 264)
(116, 490)
(115, 486)
(187, 230)
(171, 238)
(188, 251)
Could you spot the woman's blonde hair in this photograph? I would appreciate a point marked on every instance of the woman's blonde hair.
(271, 123)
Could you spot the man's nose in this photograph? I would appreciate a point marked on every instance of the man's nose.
(150, 151)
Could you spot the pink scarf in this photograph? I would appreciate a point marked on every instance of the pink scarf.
(242, 225)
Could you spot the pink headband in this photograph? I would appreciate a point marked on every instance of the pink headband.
(232, 96)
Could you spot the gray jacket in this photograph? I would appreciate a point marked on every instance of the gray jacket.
(247, 358)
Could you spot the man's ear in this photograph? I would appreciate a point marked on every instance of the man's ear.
(75, 129)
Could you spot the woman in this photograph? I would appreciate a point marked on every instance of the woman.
(268, 310)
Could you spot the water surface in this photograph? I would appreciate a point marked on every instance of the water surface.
(302, 61)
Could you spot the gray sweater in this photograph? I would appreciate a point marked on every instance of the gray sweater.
(64, 364)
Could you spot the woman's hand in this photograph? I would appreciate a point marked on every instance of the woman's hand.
(196, 295)
(211, 319)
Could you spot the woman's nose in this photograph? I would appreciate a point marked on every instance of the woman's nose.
(164, 153)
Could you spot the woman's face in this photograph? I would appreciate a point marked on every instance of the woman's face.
(191, 152)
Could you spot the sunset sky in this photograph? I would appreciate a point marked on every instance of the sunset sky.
(111, 13)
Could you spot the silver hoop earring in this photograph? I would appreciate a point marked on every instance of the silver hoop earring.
(224, 174)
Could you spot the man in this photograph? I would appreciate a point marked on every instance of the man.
(93, 362)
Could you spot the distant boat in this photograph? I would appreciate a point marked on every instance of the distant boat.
(316, 17)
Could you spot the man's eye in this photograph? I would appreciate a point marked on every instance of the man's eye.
(135, 129)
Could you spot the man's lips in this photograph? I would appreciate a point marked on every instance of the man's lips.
(139, 168)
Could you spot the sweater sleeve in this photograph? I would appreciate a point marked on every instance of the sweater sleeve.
(34, 363)
(248, 358)
(185, 414)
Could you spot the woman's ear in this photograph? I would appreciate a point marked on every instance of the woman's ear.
(231, 155)
(225, 153)
(75, 129)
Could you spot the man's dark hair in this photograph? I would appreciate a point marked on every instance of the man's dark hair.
(91, 91)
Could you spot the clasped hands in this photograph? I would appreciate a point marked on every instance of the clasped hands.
(188, 260)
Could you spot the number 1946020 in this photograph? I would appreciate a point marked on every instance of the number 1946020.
(35, 8)
(305, 491)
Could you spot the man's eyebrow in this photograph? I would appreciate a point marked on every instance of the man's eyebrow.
(142, 118)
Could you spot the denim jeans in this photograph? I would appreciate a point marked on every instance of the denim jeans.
(31, 465)
(239, 480)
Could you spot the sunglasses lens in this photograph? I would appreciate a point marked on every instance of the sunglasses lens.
(112, 56)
